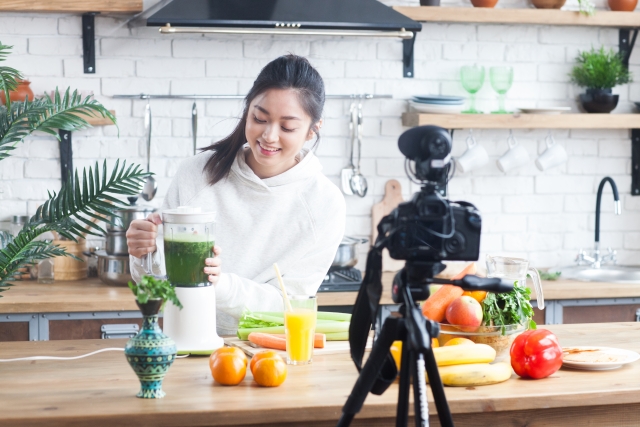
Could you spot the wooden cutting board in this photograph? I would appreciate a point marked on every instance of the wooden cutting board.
(331, 347)
(392, 198)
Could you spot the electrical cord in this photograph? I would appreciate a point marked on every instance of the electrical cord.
(71, 358)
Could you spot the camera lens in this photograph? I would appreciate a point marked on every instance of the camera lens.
(457, 243)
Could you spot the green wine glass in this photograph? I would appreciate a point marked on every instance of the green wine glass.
(501, 81)
(472, 78)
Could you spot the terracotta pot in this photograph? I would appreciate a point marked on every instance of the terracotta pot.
(623, 5)
(548, 4)
(484, 3)
(20, 93)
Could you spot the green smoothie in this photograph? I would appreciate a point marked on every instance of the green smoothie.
(184, 259)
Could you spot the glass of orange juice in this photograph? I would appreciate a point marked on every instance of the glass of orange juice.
(300, 329)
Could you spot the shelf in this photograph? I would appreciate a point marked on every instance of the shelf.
(77, 6)
(524, 121)
(482, 15)
(100, 121)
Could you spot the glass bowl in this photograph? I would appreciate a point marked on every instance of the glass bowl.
(497, 337)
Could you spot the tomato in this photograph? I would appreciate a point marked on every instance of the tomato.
(536, 354)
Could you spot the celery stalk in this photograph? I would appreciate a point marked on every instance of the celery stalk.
(338, 336)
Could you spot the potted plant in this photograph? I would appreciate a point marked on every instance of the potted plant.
(151, 353)
(599, 71)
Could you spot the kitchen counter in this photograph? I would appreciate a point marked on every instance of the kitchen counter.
(100, 391)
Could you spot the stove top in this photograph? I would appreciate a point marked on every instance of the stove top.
(342, 280)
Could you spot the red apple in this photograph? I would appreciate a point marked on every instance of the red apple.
(465, 311)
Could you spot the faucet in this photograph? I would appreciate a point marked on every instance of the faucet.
(596, 260)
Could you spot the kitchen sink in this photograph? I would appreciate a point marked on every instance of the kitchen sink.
(606, 273)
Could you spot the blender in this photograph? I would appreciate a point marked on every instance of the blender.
(188, 241)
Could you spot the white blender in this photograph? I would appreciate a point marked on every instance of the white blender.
(188, 241)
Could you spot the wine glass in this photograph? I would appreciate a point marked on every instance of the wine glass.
(501, 81)
(472, 78)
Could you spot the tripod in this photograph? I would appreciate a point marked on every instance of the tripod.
(410, 326)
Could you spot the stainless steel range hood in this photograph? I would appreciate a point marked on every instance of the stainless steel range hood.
(356, 18)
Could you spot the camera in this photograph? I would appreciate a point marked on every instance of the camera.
(430, 227)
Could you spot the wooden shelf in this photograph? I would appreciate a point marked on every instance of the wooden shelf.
(524, 121)
(519, 16)
(100, 121)
(77, 6)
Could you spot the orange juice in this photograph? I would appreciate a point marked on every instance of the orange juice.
(300, 328)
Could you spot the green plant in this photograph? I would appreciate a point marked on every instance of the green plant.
(152, 288)
(600, 69)
(69, 211)
(586, 7)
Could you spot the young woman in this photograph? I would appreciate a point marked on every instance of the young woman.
(273, 204)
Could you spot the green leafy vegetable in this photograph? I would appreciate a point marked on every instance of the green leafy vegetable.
(152, 288)
(547, 275)
(513, 308)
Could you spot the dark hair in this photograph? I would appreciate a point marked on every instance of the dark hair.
(286, 72)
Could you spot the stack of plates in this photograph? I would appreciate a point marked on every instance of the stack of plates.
(438, 104)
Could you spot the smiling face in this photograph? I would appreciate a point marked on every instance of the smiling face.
(276, 130)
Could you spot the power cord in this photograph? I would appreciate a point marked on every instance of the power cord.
(71, 358)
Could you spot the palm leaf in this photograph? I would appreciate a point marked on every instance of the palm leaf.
(8, 76)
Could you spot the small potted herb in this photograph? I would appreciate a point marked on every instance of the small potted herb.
(599, 71)
(150, 353)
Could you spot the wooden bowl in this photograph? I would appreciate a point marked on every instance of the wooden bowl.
(484, 3)
(548, 4)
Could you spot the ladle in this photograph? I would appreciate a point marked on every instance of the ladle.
(194, 126)
(358, 181)
(150, 186)
(347, 172)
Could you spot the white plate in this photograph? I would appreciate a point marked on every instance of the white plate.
(600, 358)
(545, 110)
(436, 109)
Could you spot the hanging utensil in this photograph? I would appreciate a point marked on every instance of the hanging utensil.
(347, 172)
(150, 186)
(358, 181)
(194, 125)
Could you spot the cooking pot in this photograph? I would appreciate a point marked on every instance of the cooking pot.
(113, 269)
(347, 254)
(116, 243)
(124, 216)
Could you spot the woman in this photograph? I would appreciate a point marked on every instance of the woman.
(273, 203)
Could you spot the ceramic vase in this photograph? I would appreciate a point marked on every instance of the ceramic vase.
(599, 101)
(22, 91)
(150, 353)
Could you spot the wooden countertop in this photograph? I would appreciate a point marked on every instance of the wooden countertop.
(100, 390)
(93, 295)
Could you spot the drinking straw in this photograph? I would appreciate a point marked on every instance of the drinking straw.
(287, 304)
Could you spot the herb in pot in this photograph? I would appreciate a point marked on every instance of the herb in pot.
(513, 308)
(152, 288)
(600, 69)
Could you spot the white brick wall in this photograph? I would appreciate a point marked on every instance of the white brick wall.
(545, 216)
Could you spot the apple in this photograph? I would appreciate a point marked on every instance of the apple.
(465, 311)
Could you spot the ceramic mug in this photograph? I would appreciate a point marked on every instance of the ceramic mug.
(514, 157)
(475, 156)
(554, 155)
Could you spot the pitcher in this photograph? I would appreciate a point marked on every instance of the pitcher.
(516, 270)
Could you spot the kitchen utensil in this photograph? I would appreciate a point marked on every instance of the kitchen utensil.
(358, 181)
(472, 79)
(113, 269)
(116, 243)
(515, 156)
(347, 172)
(285, 298)
(194, 125)
(515, 270)
(501, 80)
(150, 186)
(392, 198)
(545, 110)
(347, 253)
(439, 100)
(554, 155)
(595, 358)
(125, 216)
(475, 156)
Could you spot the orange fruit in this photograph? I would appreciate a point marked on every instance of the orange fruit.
(396, 350)
(458, 341)
(476, 295)
(262, 355)
(270, 371)
(228, 365)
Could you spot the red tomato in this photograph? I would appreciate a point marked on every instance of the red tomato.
(536, 354)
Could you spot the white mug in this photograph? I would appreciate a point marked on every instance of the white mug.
(475, 156)
(554, 155)
(515, 156)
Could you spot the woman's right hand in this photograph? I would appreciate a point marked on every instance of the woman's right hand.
(141, 235)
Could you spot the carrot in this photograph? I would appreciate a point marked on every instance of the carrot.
(435, 306)
(268, 340)
(319, 341)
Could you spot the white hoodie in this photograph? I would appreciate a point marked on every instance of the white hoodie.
(296, 219)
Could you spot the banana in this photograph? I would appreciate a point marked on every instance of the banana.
(475, 374)
(463, 354)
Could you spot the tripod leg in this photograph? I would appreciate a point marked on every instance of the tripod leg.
(438, 390)
(421, 410)
(369, 372)
(402, 411)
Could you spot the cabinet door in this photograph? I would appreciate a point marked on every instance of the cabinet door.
(14, 331)
(600, 313)
(77, 329)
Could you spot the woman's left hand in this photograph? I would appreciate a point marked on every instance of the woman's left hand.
(212, 266)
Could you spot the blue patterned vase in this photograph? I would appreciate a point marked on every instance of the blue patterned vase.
(150, 353)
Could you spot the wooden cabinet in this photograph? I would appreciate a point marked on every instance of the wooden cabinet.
(600, 313)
